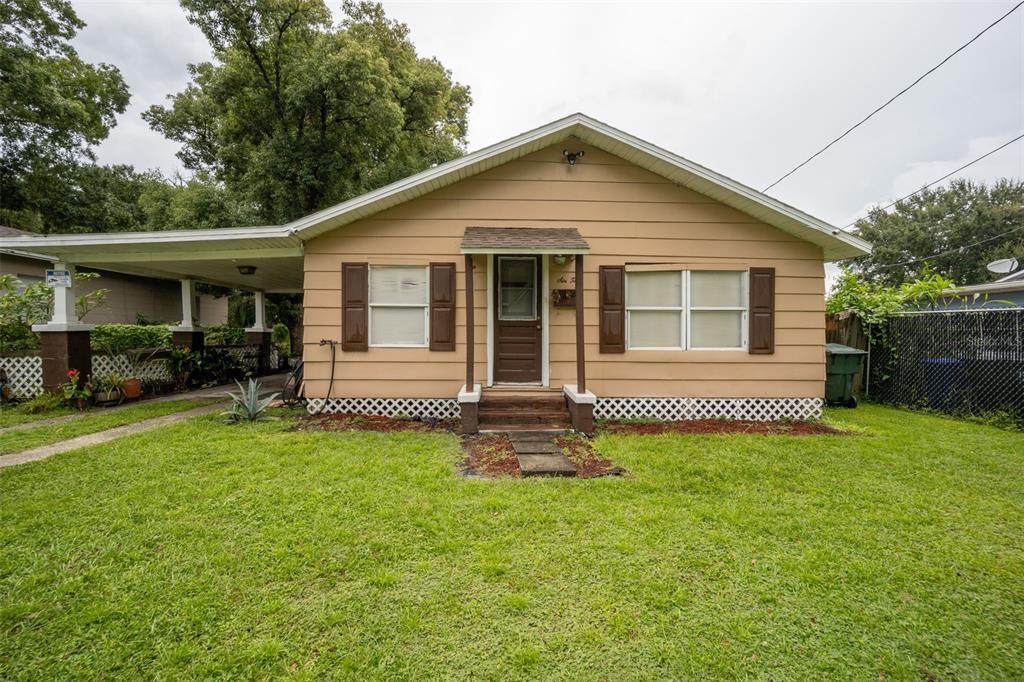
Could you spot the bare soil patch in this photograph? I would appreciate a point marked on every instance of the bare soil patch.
(364, 422)
(490, 455)
(713, 426)
(588, 461)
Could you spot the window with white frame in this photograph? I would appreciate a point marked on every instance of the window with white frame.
(679, 309)
(399, 305)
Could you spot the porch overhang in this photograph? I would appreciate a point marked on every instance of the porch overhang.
(212, 256)
(565, 241)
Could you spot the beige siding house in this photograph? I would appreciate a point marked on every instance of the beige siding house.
(609, 277)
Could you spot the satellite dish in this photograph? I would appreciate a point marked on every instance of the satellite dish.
(1002, 266)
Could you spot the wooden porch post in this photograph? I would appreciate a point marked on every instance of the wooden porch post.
(469, 323)
(581, 360)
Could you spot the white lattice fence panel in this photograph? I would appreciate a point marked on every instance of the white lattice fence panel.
(423, 408)
(24, 375)
(275, 358)
(681, 409)
(154, 369)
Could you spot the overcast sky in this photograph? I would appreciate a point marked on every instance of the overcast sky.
(748, 90)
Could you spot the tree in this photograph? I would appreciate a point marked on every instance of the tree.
(969, 223)
(296, 114)
(53, 105)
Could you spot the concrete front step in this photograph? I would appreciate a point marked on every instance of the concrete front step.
(545, 465)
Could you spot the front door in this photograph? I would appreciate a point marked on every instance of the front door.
(517, 338)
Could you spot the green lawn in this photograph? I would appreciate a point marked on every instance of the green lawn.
(207, 550)
(96, 419)
(10, 416)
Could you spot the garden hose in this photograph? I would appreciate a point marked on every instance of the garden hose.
(330, 385)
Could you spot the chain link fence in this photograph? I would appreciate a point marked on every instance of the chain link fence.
(963, 362)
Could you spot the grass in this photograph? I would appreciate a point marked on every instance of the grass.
(204, 550)
(93, 421)
(10, 416)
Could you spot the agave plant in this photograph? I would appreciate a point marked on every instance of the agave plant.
(246, 405)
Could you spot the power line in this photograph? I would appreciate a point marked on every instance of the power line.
(947, 175)
(958, 249)
(894, 97)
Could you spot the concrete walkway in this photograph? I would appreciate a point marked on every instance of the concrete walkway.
(270, 384)
(539, 454)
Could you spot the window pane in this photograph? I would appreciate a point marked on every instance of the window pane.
(716, 329)
(518, 289)
(397, 326)
(716, 289)
(654, 329)
(663, 289)
(398, 284)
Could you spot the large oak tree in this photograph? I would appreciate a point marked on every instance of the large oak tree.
(296, 114)
(954, 231)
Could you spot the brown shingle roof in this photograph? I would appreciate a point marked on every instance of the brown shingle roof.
(507, 239)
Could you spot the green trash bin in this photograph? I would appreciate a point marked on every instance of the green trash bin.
(841, 364)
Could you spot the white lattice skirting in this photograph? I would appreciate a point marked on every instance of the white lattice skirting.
(150, 370)
(422, 408)
(24, 375)
(679, 409)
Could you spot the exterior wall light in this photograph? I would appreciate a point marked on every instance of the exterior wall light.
(247, 269)
(572, 156)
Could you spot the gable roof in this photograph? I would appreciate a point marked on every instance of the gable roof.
(836, 243)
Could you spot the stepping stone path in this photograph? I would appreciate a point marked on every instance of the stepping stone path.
(539, 455)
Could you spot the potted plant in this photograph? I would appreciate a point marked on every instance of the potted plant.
(109, 390)
(137, 359)
(77, 391)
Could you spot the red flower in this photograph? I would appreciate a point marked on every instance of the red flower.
(72, 373)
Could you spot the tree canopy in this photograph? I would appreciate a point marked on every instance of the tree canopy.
(296, 114)
(970, 224)
(53, 105)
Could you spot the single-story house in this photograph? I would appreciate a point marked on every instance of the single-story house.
(1005, 292)
(571, 271)
(128, 296)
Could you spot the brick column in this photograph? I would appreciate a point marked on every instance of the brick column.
(64, 340)
(259, 335)
(188, 334)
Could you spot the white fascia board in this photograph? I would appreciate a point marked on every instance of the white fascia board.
(442, 175)
(590, 126)
(836, 243)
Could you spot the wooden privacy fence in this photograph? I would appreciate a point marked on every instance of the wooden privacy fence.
(847, 329)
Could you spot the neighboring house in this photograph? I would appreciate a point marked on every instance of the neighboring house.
(1005, 292)
(128, 295)
(698, 296)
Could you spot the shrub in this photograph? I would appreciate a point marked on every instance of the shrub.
(224, 335)
(246, 405)
(117, 338)
(282, 338)
(44, 402)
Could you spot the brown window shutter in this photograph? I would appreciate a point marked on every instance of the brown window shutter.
(442, 306)
(762, 311)
(355, 283)
(612, 315)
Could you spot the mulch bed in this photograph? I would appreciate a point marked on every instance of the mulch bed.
(713, 426)
(491, 456)
(589, 463)
(364, 422)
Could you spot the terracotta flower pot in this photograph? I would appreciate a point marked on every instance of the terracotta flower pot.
(132, 389)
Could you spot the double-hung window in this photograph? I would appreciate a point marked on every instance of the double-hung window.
(399, 305)
(682, 310)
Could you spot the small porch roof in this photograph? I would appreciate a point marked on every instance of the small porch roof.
(541, 240)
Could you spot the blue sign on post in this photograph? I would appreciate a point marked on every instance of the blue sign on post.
(58, 278)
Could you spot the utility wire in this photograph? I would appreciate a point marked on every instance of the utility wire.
(894, 97)
(958, 249)
(935, 182)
